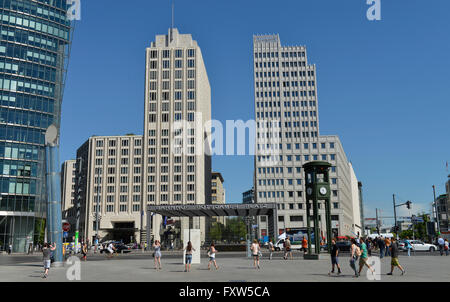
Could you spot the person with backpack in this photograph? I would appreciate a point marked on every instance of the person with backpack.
(355, 253)
(408, 246)
(364, 257)
(394, 257)
(212, 256)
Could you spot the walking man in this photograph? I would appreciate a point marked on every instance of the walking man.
(394, 257)
(288, 249)
(334, 257)
(388, 245)
(364, 257)
(441, 243)
(446, 247)
(381, 246)
(408, 246)
(271, 249)
(46, 257)
(304, 245)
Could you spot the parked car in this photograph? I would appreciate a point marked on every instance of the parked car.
(120, 248)
(344, 245)
(420, 246)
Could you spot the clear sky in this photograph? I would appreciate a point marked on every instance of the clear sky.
(383, 86)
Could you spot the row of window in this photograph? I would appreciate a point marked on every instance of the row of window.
(284, 54)
(177, 106)
(30, 54)
(285, 104)
(123, 152)
(113, 143)
(31, 102)
(21, 134)
(165, 85)
(166, 74)
(28, 69)
(286, 94)
(299, 218)
(288, 135)
(19, 151)
(280, 170)
(25, 118)
(33, 23)
(56, 11)
(190, 63)
(177, 52)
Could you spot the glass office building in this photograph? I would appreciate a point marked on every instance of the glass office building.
(34, 44)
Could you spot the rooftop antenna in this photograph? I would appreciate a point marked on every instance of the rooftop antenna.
(171, 26)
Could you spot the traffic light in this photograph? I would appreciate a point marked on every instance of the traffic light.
(408, 204)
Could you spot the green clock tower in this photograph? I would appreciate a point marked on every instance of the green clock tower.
(317, 188)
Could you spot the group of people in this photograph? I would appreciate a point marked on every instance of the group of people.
(359, 250)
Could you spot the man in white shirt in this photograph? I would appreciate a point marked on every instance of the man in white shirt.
(441, 243)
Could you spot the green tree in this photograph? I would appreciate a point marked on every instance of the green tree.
(235, 230)
(216, 231)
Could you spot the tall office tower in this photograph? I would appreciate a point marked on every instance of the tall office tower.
(34, 42)
(68, 184)
(108, 188)
(176, 169)
(286, 95)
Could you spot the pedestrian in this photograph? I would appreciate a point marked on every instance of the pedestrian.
(441, 243)
(84, 251)
(364, 257)
(110, 250)
(171, 245)
(304, 245)
(255, 252)
(355, 253)
(9, 249)
(408, 246)
(446, 247)
(287, 249)
(394, 257)
(387, 242)
(369, 246)
(46, 257)
(157, 254)
(189, 249)
(271, 249)
(334, 257)
(212, 256)
(381, 246)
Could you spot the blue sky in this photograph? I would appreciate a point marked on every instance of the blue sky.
(383, 86)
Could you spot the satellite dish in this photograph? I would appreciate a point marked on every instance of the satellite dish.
(51, 135)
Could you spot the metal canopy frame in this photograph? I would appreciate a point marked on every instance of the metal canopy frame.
(214, 210)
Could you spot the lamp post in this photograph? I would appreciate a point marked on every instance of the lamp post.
(53, 185)
(436, 209)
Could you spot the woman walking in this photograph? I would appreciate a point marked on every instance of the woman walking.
(46, 251)
(157, 254)
(355, 252)
(255, 252)
(212, 256)
(189, 249)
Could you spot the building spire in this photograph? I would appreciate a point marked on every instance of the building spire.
(173, 20)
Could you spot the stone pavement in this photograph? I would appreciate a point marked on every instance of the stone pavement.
(125, 269)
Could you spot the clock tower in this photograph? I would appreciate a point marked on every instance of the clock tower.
(317, 189)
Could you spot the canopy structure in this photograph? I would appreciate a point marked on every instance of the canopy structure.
(211, 210)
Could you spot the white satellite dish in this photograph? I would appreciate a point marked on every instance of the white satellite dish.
(51, 135)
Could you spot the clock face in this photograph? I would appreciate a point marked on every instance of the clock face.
(323, 190)
(309, 191)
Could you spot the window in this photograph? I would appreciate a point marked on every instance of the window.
(280, 218)
(296, 218)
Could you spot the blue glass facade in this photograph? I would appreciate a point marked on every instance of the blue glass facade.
(34, 41)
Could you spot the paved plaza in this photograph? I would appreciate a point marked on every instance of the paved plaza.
(232, 267)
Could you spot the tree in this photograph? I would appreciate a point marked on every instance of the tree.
(215, 232)
(235, 229)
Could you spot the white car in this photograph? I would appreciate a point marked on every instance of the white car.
(420, 246)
